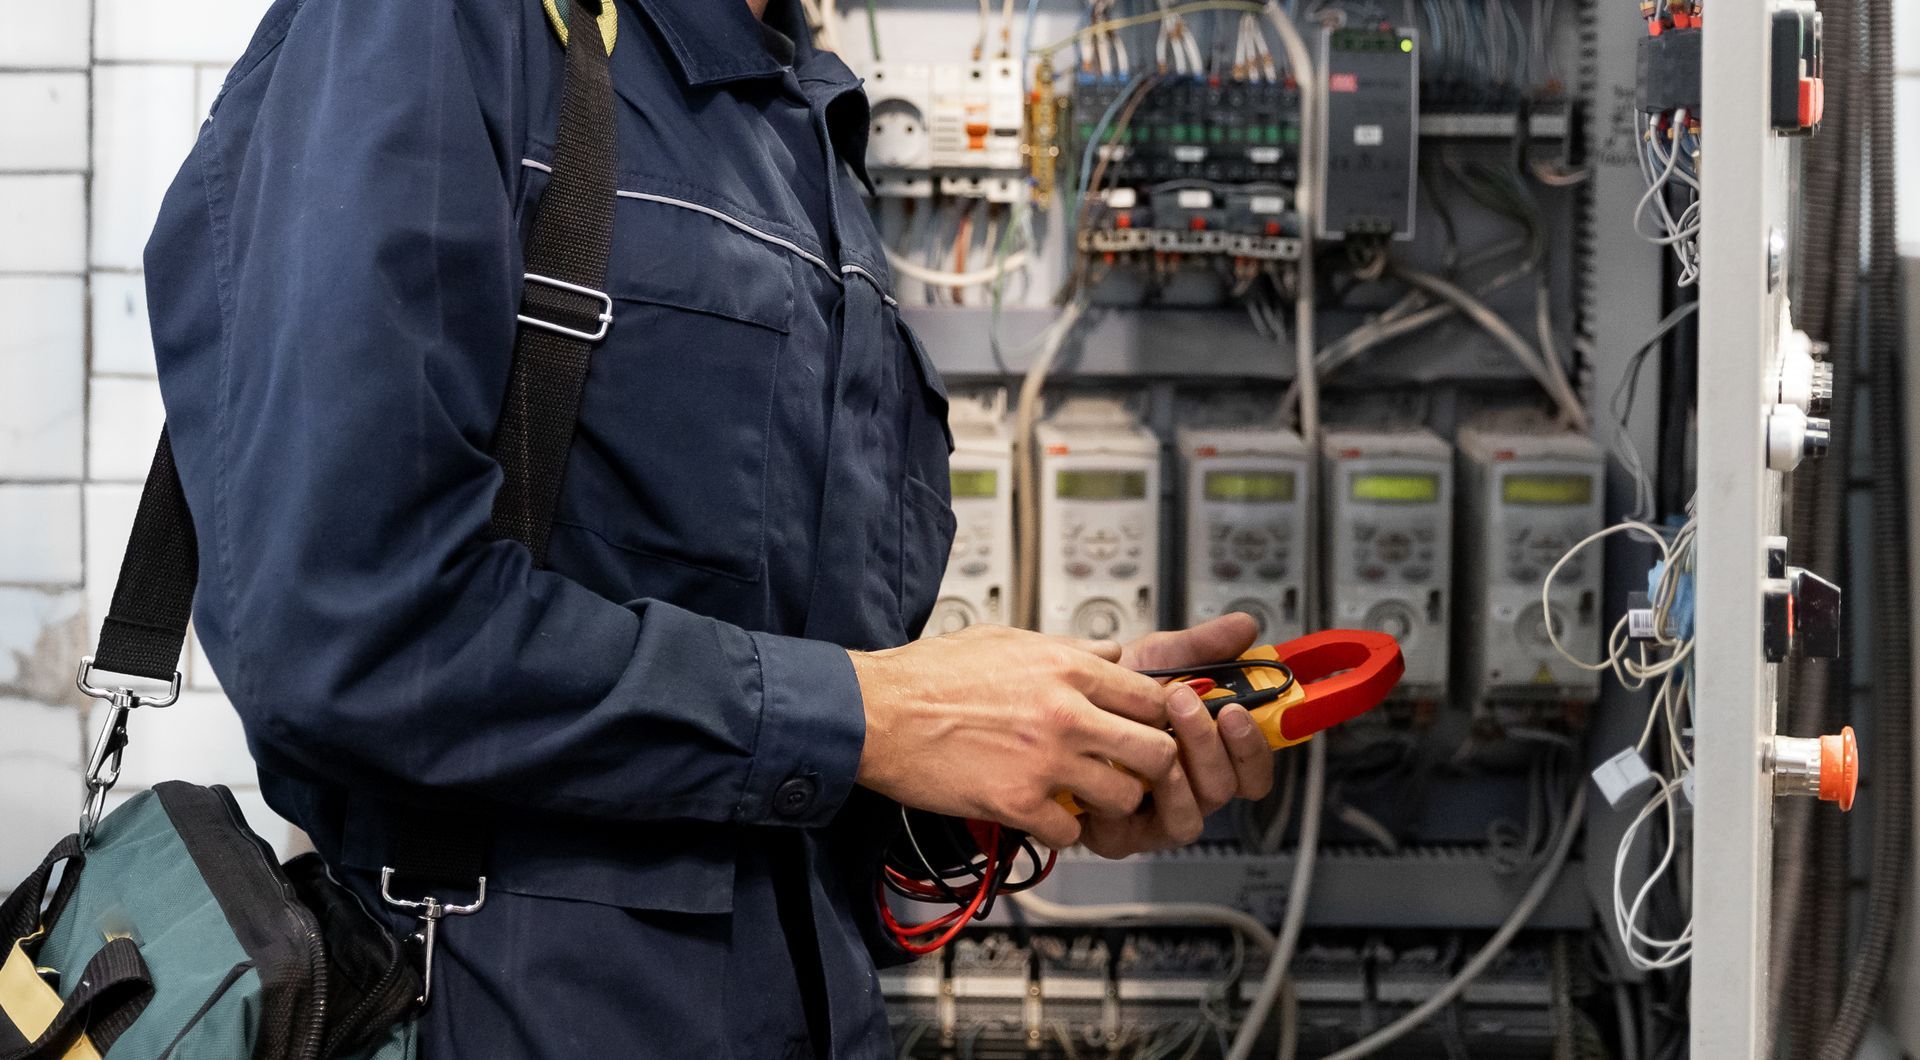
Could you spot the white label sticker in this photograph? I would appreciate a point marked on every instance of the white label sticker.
(1266, 204)
(1194, 199)
(1640, 623)
(1369, 135)
(1190, 153)
(1263, 156)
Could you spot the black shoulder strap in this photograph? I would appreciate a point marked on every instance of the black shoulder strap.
(564, 313)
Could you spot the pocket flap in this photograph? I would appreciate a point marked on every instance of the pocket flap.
(670, 866)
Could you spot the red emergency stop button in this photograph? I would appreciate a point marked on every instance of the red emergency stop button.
(1839, 768)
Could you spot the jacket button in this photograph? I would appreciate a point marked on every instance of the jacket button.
(795, 796)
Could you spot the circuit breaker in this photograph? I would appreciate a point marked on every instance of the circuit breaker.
(1525, 500)
(1248, 499)
(978, 586)
(1389, 522)
(1372, 111)
(1099, 521)
(975, 120)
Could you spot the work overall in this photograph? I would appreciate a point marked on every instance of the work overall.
(659, 731)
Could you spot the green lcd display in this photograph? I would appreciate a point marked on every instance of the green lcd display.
(1547, 489)
(1249, 487)
(1396, 489)
(1100, 485)
(981, 482)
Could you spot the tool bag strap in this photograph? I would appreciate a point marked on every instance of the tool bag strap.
(564, 313)
(113, 990)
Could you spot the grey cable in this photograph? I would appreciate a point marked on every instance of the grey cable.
(1277, 965)
(1522, 912)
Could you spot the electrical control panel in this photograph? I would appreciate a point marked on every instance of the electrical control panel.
(1248, 498)
(1202, 166)
(1099, 483)
(1372, 110)
(1525, 500)
(978, 586)
(1389, 526)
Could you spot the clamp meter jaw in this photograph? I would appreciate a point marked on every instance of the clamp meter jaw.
(1299, 688)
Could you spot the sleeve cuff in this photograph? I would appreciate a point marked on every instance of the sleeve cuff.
(812, 727)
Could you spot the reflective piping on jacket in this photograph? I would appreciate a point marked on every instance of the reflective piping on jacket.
(872, 279)
(725, 218)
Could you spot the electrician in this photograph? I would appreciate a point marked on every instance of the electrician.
(685, 737)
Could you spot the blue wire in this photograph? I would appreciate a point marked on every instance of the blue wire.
(1085, 176)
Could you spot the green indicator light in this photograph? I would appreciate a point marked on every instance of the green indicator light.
(1293, 135)
(1406, 45)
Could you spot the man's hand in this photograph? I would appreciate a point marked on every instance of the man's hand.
(992, 723)
(1219, 759)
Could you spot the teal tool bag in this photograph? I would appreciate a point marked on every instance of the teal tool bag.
(173, 932)
(167, 930)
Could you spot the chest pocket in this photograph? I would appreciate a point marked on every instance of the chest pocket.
(671, 456)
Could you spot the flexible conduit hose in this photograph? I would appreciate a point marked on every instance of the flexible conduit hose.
(1892, 626)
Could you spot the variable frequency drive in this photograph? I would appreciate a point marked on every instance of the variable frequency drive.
(1248, 498)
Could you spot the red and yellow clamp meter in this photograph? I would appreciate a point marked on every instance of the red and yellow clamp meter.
(1322, 680)
(1299, 688)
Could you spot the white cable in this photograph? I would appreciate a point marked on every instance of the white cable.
(1155, 912)
(1490, 951)
(1296, 918)
(1492, 323)
(1026, 487)
(912, 270)
(1665, 953)
(1546, 585)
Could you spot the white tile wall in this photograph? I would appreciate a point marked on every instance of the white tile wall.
(122, 345)
(109, 509)
(42, 376)
(100, 101)
(123, 424)
(1906, 109)
(40, 525)
(43, 223)
(208, 31)
(43, 121)
(145, 120)
(197, 739)
(42, 36)
(39, 781)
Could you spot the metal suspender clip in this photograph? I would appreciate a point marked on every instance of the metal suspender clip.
(110, 746)
(429, 909)
(605, 316)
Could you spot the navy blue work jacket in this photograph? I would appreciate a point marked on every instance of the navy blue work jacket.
(665, 721)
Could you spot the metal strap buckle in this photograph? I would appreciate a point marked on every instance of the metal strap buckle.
(429, 910)
(605, 316)
(110, 745)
